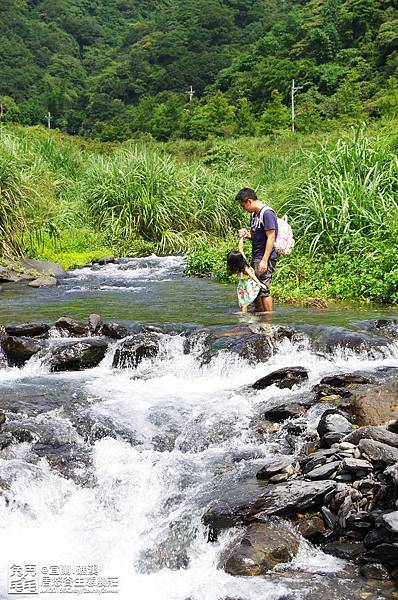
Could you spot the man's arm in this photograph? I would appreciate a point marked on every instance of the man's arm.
(269, 246)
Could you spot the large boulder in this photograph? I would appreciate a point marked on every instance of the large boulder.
(47, 281)
(116, 331)
(8, 275)
(44, 267)
(376, 405)
(262, 547)
(282, 378)
(134, 349)
(378, 452)
(19, 350)
(332, 427)
(72, 327)
(254, 501)
(371, 432)
(387, 327)
(331, 339)
(27, 329)
(76, 356)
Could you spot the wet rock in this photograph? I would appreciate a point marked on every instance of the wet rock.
(329, 518)
(6, 439)
(134, 349)
(27, 329)
(104, 260)
(43, 282)
(2, 418)
(387, 327)
(283, 410)
(346, 380)
(391, 473)
(378, 452)
(282, 378)
(253, 501)
(374, 571)
(330, 339)
(370, 432)
(345, 550)
(19, 350)
(8, 275)
(72, 326)
(332, 427)
(43, 266)
(263, 546)
(324, 471)
(94, 323)
(383, 553)
(375, 406)
(284, 465)
(312, 528)
(76, 356)
(116, 331)
(329, 439)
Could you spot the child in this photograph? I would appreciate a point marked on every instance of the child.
(248, 284)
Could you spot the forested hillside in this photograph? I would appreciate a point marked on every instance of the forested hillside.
(113, 68)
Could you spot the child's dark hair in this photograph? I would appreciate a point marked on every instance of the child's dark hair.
(236, 262)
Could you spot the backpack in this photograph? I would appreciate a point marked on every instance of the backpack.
(284, 242)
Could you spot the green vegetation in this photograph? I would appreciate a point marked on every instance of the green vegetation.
(71, 200)
(118, 69)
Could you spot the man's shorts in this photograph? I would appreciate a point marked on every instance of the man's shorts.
(265, 277)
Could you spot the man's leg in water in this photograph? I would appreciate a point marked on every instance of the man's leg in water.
(263, 302)
(266, 303)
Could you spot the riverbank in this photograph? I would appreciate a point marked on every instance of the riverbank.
(71, 201)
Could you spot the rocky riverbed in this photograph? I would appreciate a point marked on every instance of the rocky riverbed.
(190, 453)
(331, 479)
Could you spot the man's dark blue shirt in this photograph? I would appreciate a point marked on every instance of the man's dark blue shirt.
(258, 226)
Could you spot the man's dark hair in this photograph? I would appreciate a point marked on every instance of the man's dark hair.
(245, 194)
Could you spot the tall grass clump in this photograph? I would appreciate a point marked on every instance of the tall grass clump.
(350, 193)
(142, 193)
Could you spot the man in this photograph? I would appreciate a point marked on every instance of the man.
(263, 231)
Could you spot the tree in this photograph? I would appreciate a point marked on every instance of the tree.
(275, 116)
(244, 118)
(9, 109)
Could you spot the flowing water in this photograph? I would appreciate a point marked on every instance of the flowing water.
(179, 433)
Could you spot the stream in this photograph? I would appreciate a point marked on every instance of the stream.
(124, 463)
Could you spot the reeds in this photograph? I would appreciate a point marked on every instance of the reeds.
(350, 192)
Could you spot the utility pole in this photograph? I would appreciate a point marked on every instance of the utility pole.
(294, 89)
(49, 117)
(190, 93)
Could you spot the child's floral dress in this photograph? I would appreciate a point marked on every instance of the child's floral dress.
(247, 290)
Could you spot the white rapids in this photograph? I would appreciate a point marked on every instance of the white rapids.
(140, 518)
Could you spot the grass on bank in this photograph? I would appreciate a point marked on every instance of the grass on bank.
(72, 200)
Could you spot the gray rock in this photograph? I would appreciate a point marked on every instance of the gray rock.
(371, 432)
(94, 323)
(387, 327)
(283, 465)
(329, 517)
(19, 350)
(134, 349)
(72, 326)
(332, 421)
(324, 471)
(353, 465)
(331, 438)
(345, 550)
(43, 282)
(6, 439)
(8, 275)
(27, 329)
(75, 356)
(376, 405)
(378, 452)
(253, 501)
(329, 339)
(282, 378)
(392, 473)
(104, 260)
(2, 418)
(283, 410)
(116, 331)
(263, 546)
(391, 519)
(383, 553)
(43, 266)
(346, 380)
(374, 571)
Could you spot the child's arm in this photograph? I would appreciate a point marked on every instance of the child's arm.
(250, 272)
(240, 249)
